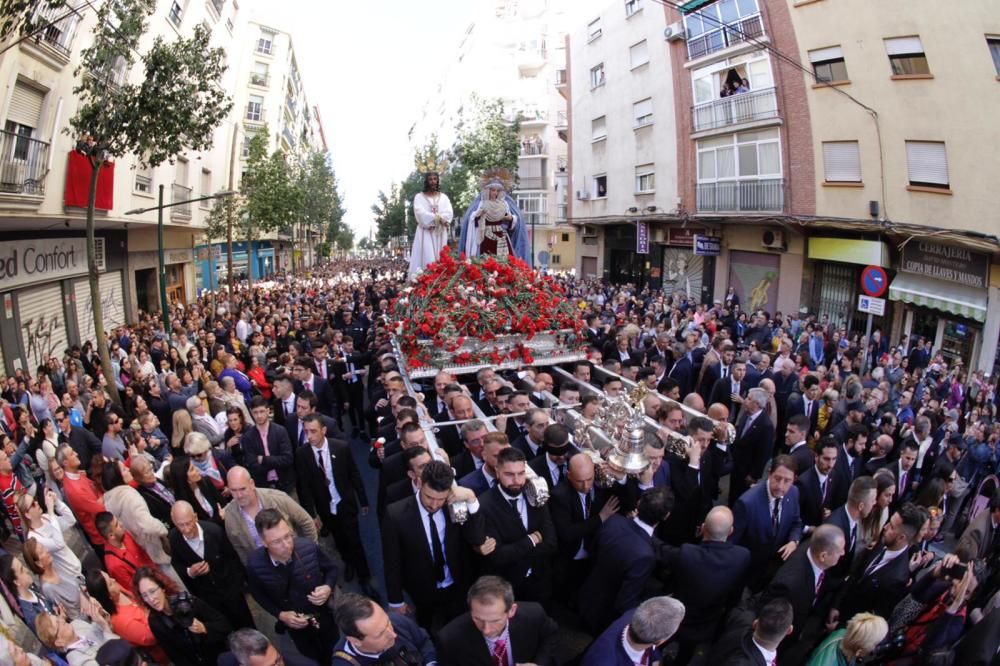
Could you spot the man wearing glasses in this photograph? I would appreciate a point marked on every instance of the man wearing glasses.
(113, 445)
(79, 439)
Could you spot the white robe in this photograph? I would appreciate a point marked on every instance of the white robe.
(429, 239)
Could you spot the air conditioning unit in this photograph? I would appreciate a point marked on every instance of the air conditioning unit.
(583, 195)
(674, 32)
(773, 239)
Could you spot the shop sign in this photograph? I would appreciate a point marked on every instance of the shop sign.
(683, 236)
(709, 246)
(870, 305)
(177, 256)
(641, 238)
(946, 262)
(42, 260)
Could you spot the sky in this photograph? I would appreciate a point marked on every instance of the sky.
(369, 65)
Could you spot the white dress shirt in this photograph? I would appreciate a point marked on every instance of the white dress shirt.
(327, 467)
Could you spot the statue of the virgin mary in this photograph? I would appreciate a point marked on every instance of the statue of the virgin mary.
(493, 224)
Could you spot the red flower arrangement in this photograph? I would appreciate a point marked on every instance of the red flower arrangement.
(456, 300)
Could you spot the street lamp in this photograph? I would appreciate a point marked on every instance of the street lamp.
(159, 240)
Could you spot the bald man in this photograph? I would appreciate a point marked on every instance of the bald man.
(450, 437)
(708, 579)
(248, 501)
(206, 562)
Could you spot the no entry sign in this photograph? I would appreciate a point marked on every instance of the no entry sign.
(874, 281)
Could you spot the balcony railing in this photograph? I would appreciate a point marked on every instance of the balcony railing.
(561, 211)
(531, 182)
(259, 79)
(59, 25)
(23, 164)
(735, 109)
(765, 195)
(288, 136)
(562, 121)
(529, 148)
(736, 32)
(561, 78)
(180, 192)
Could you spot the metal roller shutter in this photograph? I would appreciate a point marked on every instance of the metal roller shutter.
(112, 304)
(42, 322)
(26, 105)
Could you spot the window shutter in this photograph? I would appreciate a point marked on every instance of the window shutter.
(639, 54)
(903, 46)
(598, 128)
(824, 55)
(26, 105)
(927, 162)
(842, 161)
(643, 108)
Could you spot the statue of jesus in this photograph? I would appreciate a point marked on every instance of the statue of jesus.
(433, 212)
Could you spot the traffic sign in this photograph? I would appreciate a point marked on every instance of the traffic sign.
(874, 281)
(873, 306)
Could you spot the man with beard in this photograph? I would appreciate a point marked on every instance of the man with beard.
(525, 536)
(432, 210)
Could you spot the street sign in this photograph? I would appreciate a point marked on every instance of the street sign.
(709, 246)
(873, 306)
(641, 238)
(874, 281)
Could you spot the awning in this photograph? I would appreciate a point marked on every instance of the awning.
(946, 296)
(849, 251)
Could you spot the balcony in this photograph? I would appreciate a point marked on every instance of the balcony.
(532, 148)
(23, 164)
(742, 196)
(531, 57)
(561, 212)
(737, 32)
(289, 137)
(290, 103)
(53, 41)
(180, 192)
(735, 110)
(260, 80)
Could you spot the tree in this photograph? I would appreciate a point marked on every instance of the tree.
(344, 240)
(389, 213)
(28, 17)
(322, 210)
(271, 198)
(175, 108)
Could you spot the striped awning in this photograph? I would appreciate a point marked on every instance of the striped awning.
(929, 292)
(691, 5)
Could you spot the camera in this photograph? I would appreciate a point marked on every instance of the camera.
(183, 608)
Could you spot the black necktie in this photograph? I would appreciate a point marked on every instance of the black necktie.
(809, 409)
(878, 560)
(902, 484)
(854, 536)
(725, 372)
(588, 504)
(559, 474)
(513, 505)
(774, 516)
(436, 549)
(826, 487)
(302, 436)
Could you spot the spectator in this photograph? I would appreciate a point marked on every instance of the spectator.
(78, 641)
(128, 619)
(48, 527)
(189, 485)
(370, 636)
(127, 505)
(638, 635)
(846, 646)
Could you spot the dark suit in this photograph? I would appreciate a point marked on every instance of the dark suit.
(297, 435)
(278, 457)
(532, 639)
(323, 391)
(624, 559)
(811, 502)
(409, 563)
(464, 464)
(351, 392)
(541, 466)
(84, 442)
(796, 405)
(683, 373)
(515, 555)
(979, 647)
(844, 473)
(314, 496)
(804, 458)
(607, 650)
(796, 582)
(839, 518)
(751, 451)
(223, 587)
(159, 507)
(522, 443)
(398, 490)
(752, 520)
(449, 436)
(514, 433)
(431, 403)
(877, 592)
(722, 392)
(708, 578)
(476, 482)
(692, 489)
(574, 530)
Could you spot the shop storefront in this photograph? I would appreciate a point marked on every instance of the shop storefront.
(681, 270)
(944, 290)
(212, 265)
(836, 274)
(45, 296)
(143, 267)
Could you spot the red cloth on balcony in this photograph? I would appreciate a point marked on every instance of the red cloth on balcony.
(78, 172)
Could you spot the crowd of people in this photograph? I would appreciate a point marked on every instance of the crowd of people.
(812, 497)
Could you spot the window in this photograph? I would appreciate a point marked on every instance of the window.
(597, 76)
(906, 55)
(555, 259)
(598, 129)
(265, 42)
(255, 108)
(645, 179)
(632, 6)
(842, 161)
(828, 64)
(599, 186)
(176, 13)
(994, 45)
(259, 75)
(638, 54)
(594, 29)
(738, 156)
(206, 187)
(143, 184)
(20, 146)
(927, 164)
(181, 173)
(642, 112)
(736, 75)
(533, 207)
(565, 238)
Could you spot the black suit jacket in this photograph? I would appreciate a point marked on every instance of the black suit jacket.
(684, 374)
(324, 394)
(532, 639)
(449, 436)
(624, 559)
(158, 507)
(463, 464)
(522, 443)
(514, 554)
(878, 592)
(476, 482)
(279, 456)
(333, 431)
(840, 519)
(804, 459)
(708, 578)
(722, 391)
(693, 493)
(811, 502)
(314, 493)
(752, 449)
(572, 528)
(796, 405)
(795, 581)
(406, 552)
(844, 477)
(225, 578)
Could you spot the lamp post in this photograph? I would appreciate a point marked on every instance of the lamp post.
(159, 241)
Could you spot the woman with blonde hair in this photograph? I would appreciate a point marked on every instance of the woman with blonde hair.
(182, 426)
(846, 646)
